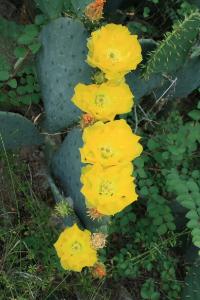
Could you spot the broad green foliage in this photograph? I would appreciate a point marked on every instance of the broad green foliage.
(16, 131)
(60, 66)
(18, 83)
(28, 41)
(187, 191)
(174, 152)
(148, 290)
(166, 175)
(172, 52)
(23, 88)
(136, 250)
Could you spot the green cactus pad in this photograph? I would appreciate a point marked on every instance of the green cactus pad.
(192, 282)
(173, 50)
(188, 79)
(66, 167)
(50, 8)
(79, 6)
(16, 131)
(60, 66)
(71, 217)
(140, 86)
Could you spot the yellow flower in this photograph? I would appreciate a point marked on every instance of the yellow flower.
(109, 190)
(105, 101)
(109, 144)
(74, 248)
(114, 50)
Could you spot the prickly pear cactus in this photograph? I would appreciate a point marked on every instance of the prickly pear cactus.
(187, 79)
(140, 86)
(66, 166)
(173, 51)
(79, 6)
(68, 217)
(192, 282)
(137, 83)
(16, 131)
(161, 71)
(60, 66)
(50, 8)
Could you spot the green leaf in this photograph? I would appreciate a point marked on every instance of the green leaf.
(196, 231)
(31, 30)
(152, 145)
(35, 98)
(146, 12)
(40, 19)
(188, 204)
(20, 52)
(25, 39)
(162, 229)
(192, 224)
(192, 186)
(192, 214)
(12, 83)
(4, 75)
(194, 114)
(35, 47)
(144, 191)
(196, 243)
(171, 226)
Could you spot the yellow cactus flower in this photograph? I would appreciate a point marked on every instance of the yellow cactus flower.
(109, 190)
(103, 102)
(114, 50)
(74, 248)
(109, 144)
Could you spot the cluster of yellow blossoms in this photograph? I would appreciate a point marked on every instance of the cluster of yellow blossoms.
(109, 145)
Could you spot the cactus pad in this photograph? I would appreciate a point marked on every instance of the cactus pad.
(16, 131)
(66, 167)
(79, 6)
(60, 66)
(192, 281)
(172, 52)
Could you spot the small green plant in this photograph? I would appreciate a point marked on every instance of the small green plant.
(18, 80)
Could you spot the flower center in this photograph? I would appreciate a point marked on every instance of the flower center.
(106, 152)
(106, 188)
(100, 100)
(113, 55)
(76, 247)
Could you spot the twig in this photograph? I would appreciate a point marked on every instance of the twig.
(165, 92)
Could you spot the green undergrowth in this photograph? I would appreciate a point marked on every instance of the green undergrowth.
(149, 238)
(30, 268)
